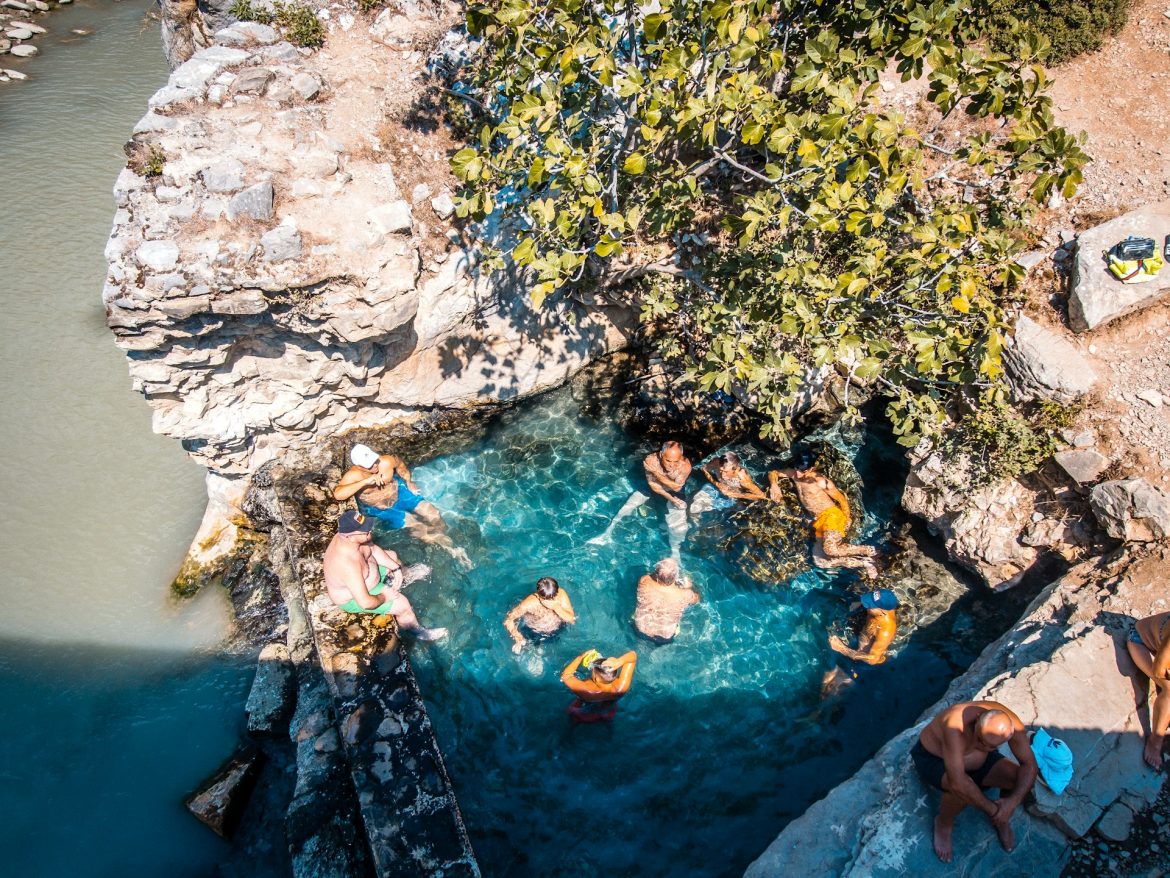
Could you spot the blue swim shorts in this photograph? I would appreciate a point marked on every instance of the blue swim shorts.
(395, 516)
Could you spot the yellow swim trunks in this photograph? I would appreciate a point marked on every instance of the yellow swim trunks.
(833, 518)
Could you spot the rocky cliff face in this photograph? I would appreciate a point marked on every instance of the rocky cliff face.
(283, 266)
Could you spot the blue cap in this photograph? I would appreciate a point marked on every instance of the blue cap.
(1055, 760)
(880, 599)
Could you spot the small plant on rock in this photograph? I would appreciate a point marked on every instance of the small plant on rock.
(370, 5)
(155, 159)
(300, 24)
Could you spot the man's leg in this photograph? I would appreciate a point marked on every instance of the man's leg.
(1003, 775)
(425, 524)
(635, 500)
(944, 824)
(1160, 715)
(408, 621)
(832, 553)
(676, 529)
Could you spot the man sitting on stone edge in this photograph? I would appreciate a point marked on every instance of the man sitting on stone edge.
(957, 753)
(383, 489)
(362, 577)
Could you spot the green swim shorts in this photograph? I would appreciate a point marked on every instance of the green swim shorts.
(352, 606)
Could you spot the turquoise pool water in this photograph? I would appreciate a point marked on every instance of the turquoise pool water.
(723, 737)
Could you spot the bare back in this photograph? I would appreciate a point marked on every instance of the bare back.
(956, 725)
(660, 607)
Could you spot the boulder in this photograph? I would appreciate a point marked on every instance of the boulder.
(220, 800)
(1132, 510)
(1097, 297)
(281, 243)
(306, 85)
(392, 218)
(982, 528)
(205, 65)
(254, 202)
(1042, 365)
(253, 80)
(1117, 823)
(225, 176)
(1083, 465)
(270, 701)
(158, 255)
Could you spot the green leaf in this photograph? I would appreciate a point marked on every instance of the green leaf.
(635, 163)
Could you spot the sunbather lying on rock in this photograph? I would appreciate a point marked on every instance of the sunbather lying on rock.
(957, 753)
(830, 511)
(1149, 647)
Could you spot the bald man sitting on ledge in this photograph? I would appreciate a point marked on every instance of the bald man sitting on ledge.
(957, 753)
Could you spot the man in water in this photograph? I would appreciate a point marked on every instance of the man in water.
(667, 470)
(362, 577)
(543, 613)
(383, 488)
(957, 753)
(729, 481)
(1149, 647)
(663, 597)
(881, 625)
(830, 510)
(609, 679)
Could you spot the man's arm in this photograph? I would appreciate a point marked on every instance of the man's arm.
(1021, 748)
(837, 644)
(750, 488)
(961, 783)
(353, 482)
(566, 611)
(774, 477)
(510, 623)
(390, 561)
(837, 497)
(398, 467)
(569, 678)
(658, 483)
(629, 661)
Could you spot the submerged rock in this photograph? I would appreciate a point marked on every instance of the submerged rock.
(270, 703)
(220, 800)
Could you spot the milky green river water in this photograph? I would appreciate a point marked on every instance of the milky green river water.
(113, 703)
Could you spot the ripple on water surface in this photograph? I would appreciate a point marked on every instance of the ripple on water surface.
(723, 736)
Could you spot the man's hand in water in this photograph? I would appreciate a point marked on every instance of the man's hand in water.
(678, 504)
(518, 647)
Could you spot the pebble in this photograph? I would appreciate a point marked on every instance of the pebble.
(14, 74)
(19, 34)
(24, 50)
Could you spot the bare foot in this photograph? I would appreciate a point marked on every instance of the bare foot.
(1153, 752)
(1007, 837)
(461, 558)
(942, 840)
(414, 573)
(429, 634)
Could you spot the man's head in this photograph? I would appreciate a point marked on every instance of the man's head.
(547, 587)
(880, 599)
(730, 460)
(364, 456)
(355, 526)
(666, 570)
(804, 462)
(671, 451)
(994, 728)
(605, 671)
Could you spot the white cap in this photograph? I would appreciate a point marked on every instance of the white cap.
(364, 456)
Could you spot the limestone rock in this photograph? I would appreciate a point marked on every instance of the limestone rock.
(1042, 365)
(392, 218)
(398, 31)
(254, 202)
(158, 255)
(225, 176)
(244, 33)
(270, 701)
(1117, 822)
(443, 205)
(1082, 465)
(1097, 297)
(205, 65)
(981, 529)
(24, 50)
(306, 85)
(253, 80)
(171, 94)
(220, 800)
(281, 243)
(1132, 510)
